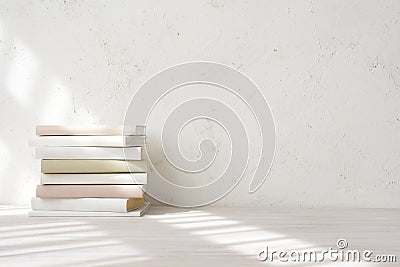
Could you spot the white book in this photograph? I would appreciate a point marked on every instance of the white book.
(87, 141)
(90, 130)
(94, 178)
(59, 213)
(131, 153)
(87, 204)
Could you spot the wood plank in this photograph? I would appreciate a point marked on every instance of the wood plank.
(207, 236)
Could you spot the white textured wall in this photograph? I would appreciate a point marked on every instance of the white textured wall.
(329, 69)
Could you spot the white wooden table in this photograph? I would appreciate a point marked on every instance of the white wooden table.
(208, 236)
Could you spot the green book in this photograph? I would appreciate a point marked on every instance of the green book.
(92, 166)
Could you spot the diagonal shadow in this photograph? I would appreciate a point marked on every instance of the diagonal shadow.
(158, 238)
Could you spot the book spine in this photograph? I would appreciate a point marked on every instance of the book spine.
(101, 178)
(89, 191)
(130, 153)
(92, 166)
(94, 130)
(58, 213)
(87, 141)
(82, 204)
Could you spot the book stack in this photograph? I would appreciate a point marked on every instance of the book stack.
(90, 171)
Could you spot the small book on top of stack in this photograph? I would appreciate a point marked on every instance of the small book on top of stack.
(90, 171)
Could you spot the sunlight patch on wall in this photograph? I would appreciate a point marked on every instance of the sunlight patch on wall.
(57, 104)
(3, 154)
(26, 182)
(4, 159)
(22, 73)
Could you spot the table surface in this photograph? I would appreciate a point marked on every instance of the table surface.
(207, 236)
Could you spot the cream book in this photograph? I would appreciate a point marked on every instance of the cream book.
(88, 141)
(91, 178)
(90, 130)
(92, 166)
(89, 191)
(87, 204)
(57, 213)
(128, 153)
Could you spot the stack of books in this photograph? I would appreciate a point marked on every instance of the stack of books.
(90, 171)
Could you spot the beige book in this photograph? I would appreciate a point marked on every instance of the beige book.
(61, 213)
(92, 166)
(90, 130)
(87, 204)
(89, 191)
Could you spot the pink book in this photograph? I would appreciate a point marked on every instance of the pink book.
(88, 191)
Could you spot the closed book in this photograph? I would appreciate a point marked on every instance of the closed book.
(92, 166)
(128, 153)
(88, 141)
(87, 204)
(90, 130)
(58, 213)
(89, 191)
(94, 178)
